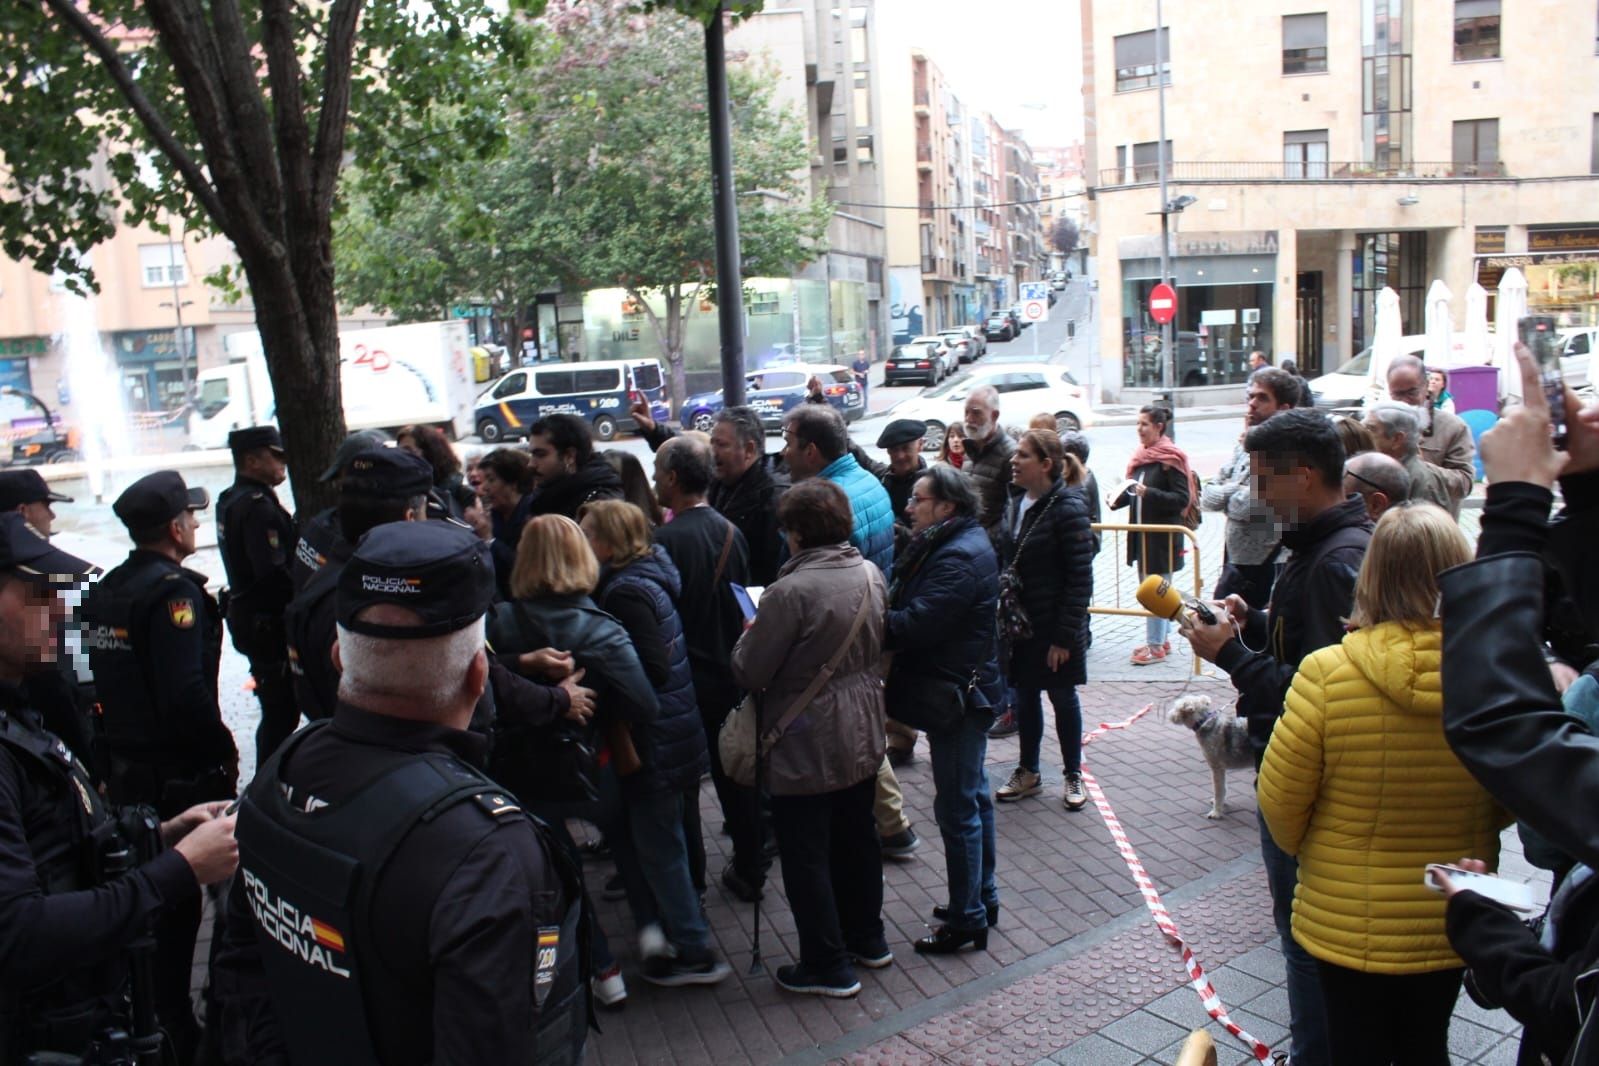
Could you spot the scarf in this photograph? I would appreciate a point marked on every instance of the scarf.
(1166, 453)
(916, 552)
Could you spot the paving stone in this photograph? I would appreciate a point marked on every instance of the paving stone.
(1097, 1050)
(1501, 1054)
(1265, 962)
(895, 1051)
(1496, 1020)
(1144, 1031)
(1468, 1040)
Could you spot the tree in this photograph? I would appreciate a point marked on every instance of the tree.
(1063, 236)
(238, 115)
(607, 178)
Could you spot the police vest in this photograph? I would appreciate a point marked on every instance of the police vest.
(310, 643)
(311, 880)
(68, 852)
(116, 632)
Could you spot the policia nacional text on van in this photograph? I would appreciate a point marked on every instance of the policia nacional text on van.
(393, 905)
(79, 889)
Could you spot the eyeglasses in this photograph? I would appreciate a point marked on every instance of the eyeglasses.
(923, 499)
(1363, 480)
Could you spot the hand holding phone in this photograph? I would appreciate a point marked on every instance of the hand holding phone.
(1512, 894)
(1537, 332)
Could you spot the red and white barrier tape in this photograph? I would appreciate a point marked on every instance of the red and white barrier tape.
(1163, 919)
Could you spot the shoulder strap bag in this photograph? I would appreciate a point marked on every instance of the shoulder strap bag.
(1014, 625)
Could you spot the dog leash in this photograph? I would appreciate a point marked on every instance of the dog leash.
(1208, 996)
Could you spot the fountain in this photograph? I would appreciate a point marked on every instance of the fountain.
(96, 384)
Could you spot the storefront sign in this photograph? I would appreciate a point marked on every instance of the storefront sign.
(1505, 262)
(1200, 245)
(24, 347)
(1563, 240)
(151, 345)
(1224, 317)
(1490, 241)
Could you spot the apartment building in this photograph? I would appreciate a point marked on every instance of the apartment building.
(1318, 153)
(1063, 194)
(1029, 256)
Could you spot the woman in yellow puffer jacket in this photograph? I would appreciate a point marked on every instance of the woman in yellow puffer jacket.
(1360, 785)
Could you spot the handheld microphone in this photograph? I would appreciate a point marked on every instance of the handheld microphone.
(1157, 596)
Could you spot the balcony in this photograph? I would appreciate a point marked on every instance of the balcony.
(921, 101)
(1280, 171)
(924, 157)
(925, 209)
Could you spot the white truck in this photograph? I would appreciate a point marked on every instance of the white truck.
(391, 376)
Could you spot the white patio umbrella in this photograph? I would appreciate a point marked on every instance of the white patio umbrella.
(1512, 305)
(1440, 324)
(1387, 340)
(1477, 350)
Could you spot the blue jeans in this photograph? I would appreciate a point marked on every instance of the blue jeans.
(656, 822)
(1307, 1016)
(1155, 629)
(1068, 724)
(965, 813)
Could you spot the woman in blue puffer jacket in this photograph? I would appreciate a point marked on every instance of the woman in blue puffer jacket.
(660, 762)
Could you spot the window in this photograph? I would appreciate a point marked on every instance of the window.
(596, 381)
(512, 385)
(162, 265)
(1305, 154)
(647, 376)
(1476, 146)
(1476, 29)
(1305, 43)
(1136, 62)
(555, 382)
(1146, 161)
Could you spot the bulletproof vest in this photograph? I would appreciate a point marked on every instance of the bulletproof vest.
(310, 630)
(69, 833)
(116, 622)
(321, 542)
(311, 881)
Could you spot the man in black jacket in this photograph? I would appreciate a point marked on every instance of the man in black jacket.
(748, 482)
(567, 474)
(1297, 463)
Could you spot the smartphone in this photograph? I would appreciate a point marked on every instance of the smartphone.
(746, 602)
(1513, 894)
(1537, 332)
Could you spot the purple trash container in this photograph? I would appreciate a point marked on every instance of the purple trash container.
(1475, 388)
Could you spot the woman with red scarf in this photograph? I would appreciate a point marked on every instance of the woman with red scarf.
(1158, 490)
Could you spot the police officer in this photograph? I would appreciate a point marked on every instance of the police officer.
(73, 902)
(393, 905)
(255, 536)
(25, 492)
(376, 486)
(321, 541)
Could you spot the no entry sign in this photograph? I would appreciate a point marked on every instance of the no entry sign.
(1162, 303)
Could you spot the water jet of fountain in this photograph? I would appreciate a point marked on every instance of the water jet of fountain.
(98, 406)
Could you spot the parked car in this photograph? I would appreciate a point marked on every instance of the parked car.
(967, 342)
(775, 390)
(1347, 386)
(1578, 349)
(916, 362)
(998, 328)
(1016, 316)
(1025, 389)
(948, 358)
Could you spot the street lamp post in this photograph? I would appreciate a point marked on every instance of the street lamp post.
(177, 306)
(729, 275)
(1168, 369)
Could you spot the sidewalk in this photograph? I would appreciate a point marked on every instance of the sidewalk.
(1075, 972)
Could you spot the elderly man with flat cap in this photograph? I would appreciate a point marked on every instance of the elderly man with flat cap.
(25, 492)
(902, 439)
(393, 904)
(68, 917)
(255, 535)
(154, 636)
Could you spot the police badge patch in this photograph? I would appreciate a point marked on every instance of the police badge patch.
(272, 539)
(181, 612)
(544, 962)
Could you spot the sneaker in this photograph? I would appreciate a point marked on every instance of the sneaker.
(1148, 654)
(873, 956)
(609, 988)
(1022, 783)
(798, 979)
(734, 882)
(900, 845)
(1005, 725)
(613, 888)
(674, 971)
(1075, 796)
(652, 943)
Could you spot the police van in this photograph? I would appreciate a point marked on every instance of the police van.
(601, 392)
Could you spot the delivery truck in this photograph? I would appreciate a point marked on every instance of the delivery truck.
(392, 376)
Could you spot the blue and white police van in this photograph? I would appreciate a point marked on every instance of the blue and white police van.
(600, 391)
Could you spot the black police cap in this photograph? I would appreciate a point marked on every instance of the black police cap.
(901, 431)
(25, 553)
(387, 473)
(18, 487)
(157, 499)
(439, 570)
(362, 440)
(252, 437)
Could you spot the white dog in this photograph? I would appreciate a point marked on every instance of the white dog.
(1223, 738)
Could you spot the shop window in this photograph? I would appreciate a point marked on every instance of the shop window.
(1476, 29)
(1305, 154)
(1305, 43)
(162, 265)
(1476, 146)
(1136, 64)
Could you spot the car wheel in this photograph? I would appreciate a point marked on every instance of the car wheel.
(65, 455)
(489, 430)
(934, 439)
(704, 421)
(605, 429)
(1066, 422)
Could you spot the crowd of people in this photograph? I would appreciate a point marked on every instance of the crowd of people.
(490, 653)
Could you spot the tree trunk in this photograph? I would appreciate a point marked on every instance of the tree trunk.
(674, 346)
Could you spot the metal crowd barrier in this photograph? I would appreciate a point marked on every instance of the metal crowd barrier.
(1119, 607)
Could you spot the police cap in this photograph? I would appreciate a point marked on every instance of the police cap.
(250, 438)
(25, 553)
(362, 440)
(157, 499)
(901, 431)
(387, 473)
(439, 570)
(18, 487)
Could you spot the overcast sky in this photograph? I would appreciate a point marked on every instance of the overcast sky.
(1019, 60)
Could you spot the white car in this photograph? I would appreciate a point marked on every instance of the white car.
(1025, 389)
(967, 341)
(1346, 387)
(1575, 353)
(948, 357)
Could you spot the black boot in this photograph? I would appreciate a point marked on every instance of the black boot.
(947, 940)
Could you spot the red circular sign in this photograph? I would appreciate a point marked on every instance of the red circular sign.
(1163, 303)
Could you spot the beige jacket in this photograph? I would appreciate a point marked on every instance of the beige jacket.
(803, 618)
(1446, 443)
